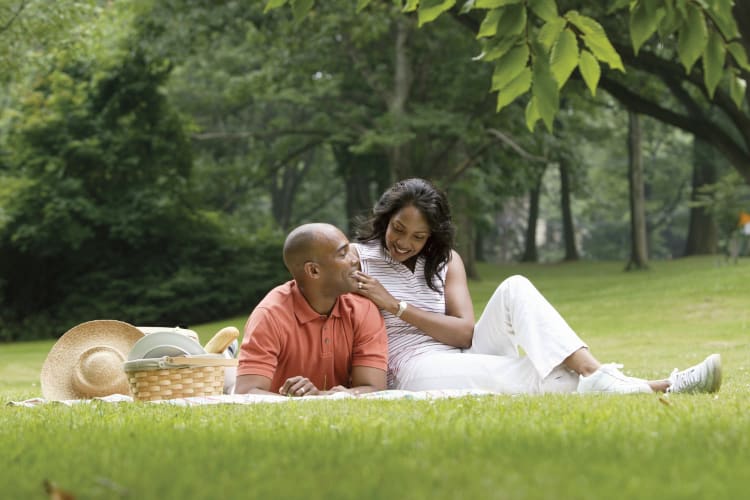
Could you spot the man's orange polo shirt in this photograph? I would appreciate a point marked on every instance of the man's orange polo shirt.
(285, 337)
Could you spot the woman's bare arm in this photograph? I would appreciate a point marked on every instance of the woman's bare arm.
(454, 328)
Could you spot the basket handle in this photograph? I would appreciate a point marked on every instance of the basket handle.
(188, 360)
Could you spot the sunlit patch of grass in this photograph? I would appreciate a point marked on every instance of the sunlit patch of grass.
(510, 447)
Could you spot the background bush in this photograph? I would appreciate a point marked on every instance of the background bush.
(98, 221)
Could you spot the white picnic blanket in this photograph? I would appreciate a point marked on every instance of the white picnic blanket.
(244, 399)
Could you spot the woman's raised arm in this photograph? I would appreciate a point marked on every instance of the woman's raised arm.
(455, 327)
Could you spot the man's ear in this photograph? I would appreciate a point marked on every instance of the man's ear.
(312, 269)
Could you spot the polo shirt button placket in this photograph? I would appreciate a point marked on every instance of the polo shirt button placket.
(327, 349)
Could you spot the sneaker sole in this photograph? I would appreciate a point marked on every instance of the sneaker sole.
(715, 361)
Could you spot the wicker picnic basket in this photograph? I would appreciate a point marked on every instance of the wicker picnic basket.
(170, 377)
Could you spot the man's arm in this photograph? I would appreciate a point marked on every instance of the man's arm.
(297, 386)
(364, 380)
(253, 384)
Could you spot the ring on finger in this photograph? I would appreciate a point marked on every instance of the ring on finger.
(359, 285)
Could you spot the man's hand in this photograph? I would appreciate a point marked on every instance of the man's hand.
(298, 386)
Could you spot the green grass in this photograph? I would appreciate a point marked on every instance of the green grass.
(565, 446)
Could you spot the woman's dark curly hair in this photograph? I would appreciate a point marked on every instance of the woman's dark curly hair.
(432, 203)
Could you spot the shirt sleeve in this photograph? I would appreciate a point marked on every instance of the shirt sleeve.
(370, 339)
(261, 345)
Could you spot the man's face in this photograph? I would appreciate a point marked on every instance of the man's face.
(338, 264)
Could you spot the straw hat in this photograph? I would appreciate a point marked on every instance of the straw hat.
(87, 361)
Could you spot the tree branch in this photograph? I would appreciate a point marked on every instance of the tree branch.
(244, 134)
(15, 15)
(668, 70)
(508, 141)
(502, 137)
(698, 127)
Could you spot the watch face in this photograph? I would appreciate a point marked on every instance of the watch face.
(401, 308)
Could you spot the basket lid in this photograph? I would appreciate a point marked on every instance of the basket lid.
(166, 362)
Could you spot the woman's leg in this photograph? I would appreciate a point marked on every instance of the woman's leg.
(499, 374)
(518, 315)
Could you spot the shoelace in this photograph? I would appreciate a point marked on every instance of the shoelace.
(680, 380)
(614, 366)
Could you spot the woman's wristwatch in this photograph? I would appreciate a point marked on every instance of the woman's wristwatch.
(401, 308)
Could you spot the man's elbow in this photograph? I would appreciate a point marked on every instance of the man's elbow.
(379, 386)
(249, 384)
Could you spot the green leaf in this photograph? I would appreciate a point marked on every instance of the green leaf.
(544, 90)
(509, 67)
(720, 12)
(494, 4)
(713, 62)
(411, 6)
(300, 8)
(498, 48)
(544, 9)
(488, 27)
(532, 114)
(590, 70)
(361, 4)
(643, 22)
(681, 7)
(596, 39)
(564, 57)
(739, 55)
(273, 4)
(737, 88)
(519, 86)
(429, 10)
(513, 20)
(550, 32)
(617, 5)
(671, 20)
(467, 7)
(692, 38)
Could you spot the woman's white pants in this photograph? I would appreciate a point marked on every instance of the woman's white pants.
(516, 316)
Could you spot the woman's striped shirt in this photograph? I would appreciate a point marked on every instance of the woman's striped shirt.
(404, 340)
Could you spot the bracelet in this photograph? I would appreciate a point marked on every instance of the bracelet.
(401, 308)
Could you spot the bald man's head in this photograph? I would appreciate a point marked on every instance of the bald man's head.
(305, 243)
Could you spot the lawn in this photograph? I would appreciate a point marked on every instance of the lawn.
(507, 447)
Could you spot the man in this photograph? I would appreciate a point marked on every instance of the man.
(310, 336)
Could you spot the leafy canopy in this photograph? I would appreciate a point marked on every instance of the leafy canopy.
(535, 48)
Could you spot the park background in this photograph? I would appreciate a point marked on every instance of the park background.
(154, 153)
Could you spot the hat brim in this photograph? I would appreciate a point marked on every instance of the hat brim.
(57, 370)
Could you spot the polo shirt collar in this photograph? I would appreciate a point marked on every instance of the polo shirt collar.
(304, 312)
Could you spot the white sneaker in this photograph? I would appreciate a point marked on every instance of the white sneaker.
(703, 377)
(609, 379)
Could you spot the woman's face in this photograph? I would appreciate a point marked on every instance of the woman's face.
(406, 234)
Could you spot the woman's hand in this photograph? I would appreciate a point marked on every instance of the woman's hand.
(372, 289)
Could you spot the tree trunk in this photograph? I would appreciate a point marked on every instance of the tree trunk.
(639, 244)
(569, 232)
(402, 81)
(465, 233)
(703, 234)
(284, 186)
(529, 252)
(360, 172)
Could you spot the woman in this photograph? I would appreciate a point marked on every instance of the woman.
(409, 269)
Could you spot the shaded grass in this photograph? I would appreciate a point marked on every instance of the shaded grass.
(491, 447)
(564, 446)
